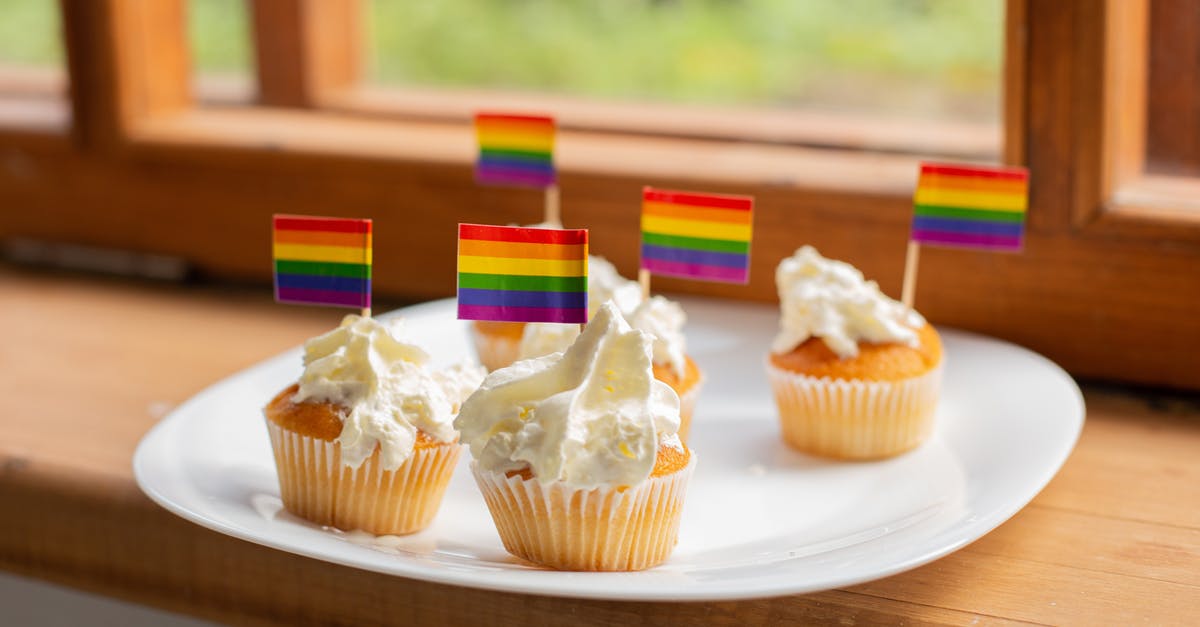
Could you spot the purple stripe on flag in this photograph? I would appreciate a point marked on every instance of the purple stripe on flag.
(490, 175)
(323, 297)
(931, 224)
(697, 257)
(521, 298)
(697, 271)
(522, 314)
(964, 240)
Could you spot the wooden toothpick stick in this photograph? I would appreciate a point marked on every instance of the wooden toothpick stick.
(909, 288)
(644, 281)
(552, 214)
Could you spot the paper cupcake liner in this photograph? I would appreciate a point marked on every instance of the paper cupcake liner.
(687, 407)
(317, 486)
(495, 351)
(854, 419)
(605, 529)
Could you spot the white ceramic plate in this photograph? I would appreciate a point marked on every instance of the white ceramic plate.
(760, 520)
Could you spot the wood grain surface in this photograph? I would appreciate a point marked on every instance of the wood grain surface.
(90, 365)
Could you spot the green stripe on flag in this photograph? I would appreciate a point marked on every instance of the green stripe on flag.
(522, 283)
(323, 268)
(933, 211)
(521, 155)
(696, 243)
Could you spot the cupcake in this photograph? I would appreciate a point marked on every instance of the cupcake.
(499, 344)
(855, 374)
(365, 440)
(576, 453)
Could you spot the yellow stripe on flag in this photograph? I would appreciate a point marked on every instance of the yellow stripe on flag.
(696, 228)
(522, 267)
(496, 140)
(970, 199)
(335, 254)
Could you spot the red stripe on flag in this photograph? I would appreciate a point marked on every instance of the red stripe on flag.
(506, 117)
(328, 225)
(997, 172)
(519, 234)
(720, 201)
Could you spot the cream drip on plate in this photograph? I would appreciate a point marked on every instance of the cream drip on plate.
(386, 386)
(831, 300)
(591, 416)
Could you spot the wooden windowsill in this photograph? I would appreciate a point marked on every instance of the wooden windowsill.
(1114, 538)
(853, 131)
(203, 133)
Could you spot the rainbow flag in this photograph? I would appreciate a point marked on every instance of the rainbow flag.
(522, 274)
(322, 261)
(515, 150)
(971, 207)
(697, 236)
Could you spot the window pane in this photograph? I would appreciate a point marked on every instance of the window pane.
(33, 77)
(913, 58)
(30, 33)
(220, 38)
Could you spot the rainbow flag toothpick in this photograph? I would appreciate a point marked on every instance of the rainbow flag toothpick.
(515, 150)
(322, 261)
(521, 274)
(971, 207)
(697, 236)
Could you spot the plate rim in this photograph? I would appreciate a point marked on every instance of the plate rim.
(971, 531)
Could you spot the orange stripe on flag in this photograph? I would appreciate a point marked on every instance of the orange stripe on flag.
(967, 183)
(323, 238)
(692, 212)
(516, 250)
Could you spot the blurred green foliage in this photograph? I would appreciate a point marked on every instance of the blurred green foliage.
(220, 32)
(777, 52)
(937, 57)
(30, 33)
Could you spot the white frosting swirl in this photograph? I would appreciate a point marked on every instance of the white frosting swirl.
(831, 300)
(387, 386)
(605, 283)
(663, 320)
(591, 416)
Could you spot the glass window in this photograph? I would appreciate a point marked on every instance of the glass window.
(219, 31)
(932, 59)
(30, 34)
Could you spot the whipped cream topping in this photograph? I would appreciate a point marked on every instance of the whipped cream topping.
(663, 320)
(386, 386)
(604, 284)
(588, 417)
(831, 300)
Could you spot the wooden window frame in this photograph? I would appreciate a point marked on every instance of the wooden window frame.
(1106, 286)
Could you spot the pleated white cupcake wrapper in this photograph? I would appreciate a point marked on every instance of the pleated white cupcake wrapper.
(495, 351)
(317, 486)
(854, 419)
(602, 529)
